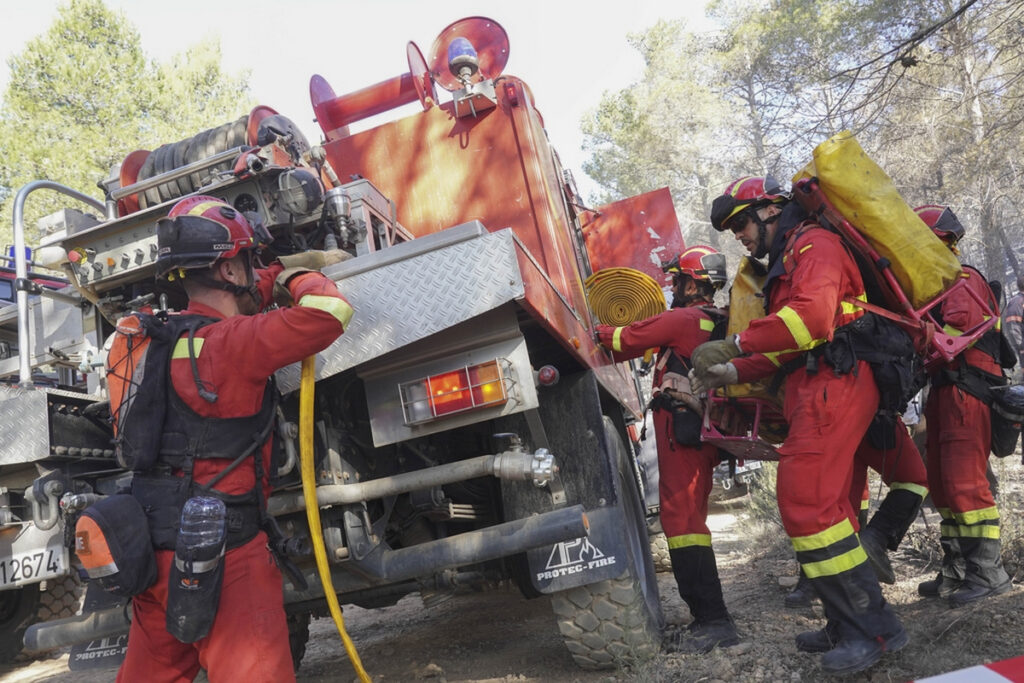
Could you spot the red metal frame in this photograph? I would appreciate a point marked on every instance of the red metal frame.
(735, 425)
(936, 346)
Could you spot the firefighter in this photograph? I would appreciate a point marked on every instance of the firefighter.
(811, 283)
(902, 469)
(220, 379)
(1013, 324)
(959, 439)
(685, 465)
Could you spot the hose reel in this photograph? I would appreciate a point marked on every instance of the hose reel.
(620, 296)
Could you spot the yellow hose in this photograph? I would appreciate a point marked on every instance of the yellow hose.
(313, 509)
(620, 296)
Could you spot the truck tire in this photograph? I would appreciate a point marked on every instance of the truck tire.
(616, 621)
(62, 598)
(659, 553)
(17, 611)
(298, 636)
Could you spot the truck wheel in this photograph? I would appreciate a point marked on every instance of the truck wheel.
(298, 636)
(659, 553)
(17, 612)
(62, 598)
(616, 621)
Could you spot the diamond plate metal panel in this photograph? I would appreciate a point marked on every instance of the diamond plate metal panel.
(403, 301)
(25, 408)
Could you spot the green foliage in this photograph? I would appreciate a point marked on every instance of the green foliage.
(936, 104)
(82, 95)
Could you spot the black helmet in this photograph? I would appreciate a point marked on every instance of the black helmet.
(199, 231)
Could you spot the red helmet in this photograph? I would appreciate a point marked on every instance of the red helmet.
(942, 221)
(701, 263)
(750, 192)
(200, 230)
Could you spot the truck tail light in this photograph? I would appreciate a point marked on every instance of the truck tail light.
(467, 388)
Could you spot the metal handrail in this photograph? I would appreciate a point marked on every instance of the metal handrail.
(21, 265)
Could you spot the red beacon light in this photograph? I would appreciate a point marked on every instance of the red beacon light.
(471, 387)
(547, 376)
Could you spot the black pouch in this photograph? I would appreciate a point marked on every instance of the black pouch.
(162, 496)
(1004, 435)
(192, 598)
(882, 431)
(1007, 414)
(112, 542)
(686, 426)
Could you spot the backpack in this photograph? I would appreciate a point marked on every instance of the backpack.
(141, 351)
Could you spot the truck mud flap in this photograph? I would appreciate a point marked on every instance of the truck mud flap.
(577, 562)
(98, 636)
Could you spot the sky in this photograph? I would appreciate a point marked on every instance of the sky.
(568, 51)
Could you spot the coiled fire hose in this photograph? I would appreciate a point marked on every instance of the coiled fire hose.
(306, 392)
(620, 296)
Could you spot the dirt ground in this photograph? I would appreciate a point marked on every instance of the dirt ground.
(496, 636)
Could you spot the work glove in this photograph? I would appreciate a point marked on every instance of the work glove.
(714, 353)
(314, 259)
(282, 293)
(603, 335)
(718, 375)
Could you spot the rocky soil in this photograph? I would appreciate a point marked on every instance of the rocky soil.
(496, 635)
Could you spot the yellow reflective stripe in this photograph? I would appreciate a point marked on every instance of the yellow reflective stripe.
(851, 307)
(804, 248)
(945, 513)
(773, 356)
(823, 539)
(977, 531)
(339, 308)
(706, 325)
(688, 540)
(865, 504)
(181, 348)
(951, 331)
(617, 339)
(835, 565)
(907, 486)
(796, 327)
(975, 516)
(201, 207)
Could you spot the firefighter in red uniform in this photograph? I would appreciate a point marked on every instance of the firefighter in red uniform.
(901, 468)
(209, 247)
(685, 465)
(959, 439)
(811, 290)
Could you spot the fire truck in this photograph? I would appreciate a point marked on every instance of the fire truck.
(468, 430)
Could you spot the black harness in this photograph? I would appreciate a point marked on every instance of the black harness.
(185, 436)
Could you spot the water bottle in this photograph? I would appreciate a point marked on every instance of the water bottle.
(202, 534)
(193, 590)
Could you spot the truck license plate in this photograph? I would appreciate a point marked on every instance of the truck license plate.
(31, 556)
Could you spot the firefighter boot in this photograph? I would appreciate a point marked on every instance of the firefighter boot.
(951, 575)
(696, 575)
(866, 626)
(985, 575)
(821, 640)
(887, 528)
(802, 594)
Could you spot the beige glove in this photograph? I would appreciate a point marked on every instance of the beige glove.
(283, 295)
(714, 353)
(679, 388)
(315, 259)
(718, 375)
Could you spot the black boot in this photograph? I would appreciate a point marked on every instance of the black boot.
(851, 656)
(696, 575)
(984, 575)
(887, 528)
(802, 594)
(954, 567)
(703, 637)
(821, 640)
(866, 626)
